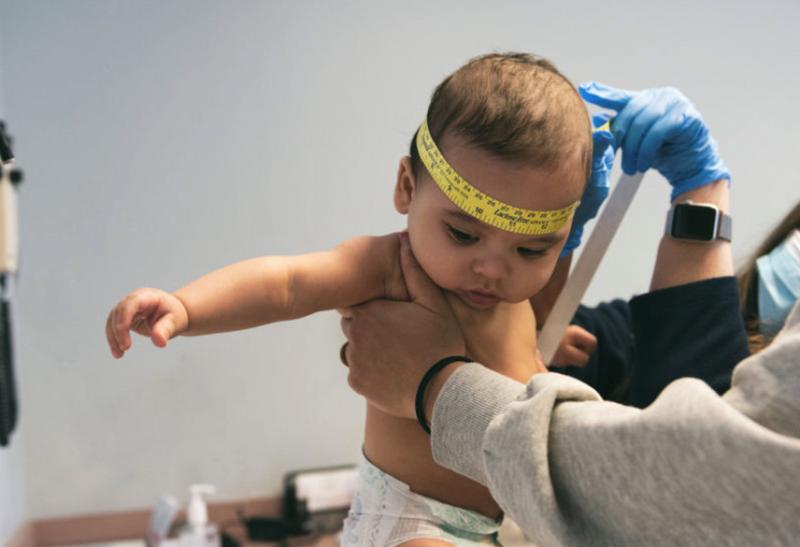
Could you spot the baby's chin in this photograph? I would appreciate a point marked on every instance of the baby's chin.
(475, 302)
(500, 302)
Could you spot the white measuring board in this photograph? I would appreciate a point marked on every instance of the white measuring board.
(587, 264)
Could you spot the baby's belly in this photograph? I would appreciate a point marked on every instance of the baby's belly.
(401, 448)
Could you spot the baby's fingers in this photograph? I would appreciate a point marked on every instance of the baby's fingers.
(129, 312)
(113, 345)
(163, 330)
(570, 356)
(582, 339)
(576, 347)
(123, 317)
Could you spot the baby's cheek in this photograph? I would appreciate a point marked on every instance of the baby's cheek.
(435, 258)
(442, 270)
(445, 271)
(536, 281)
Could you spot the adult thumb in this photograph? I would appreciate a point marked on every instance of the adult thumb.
(605, 96)
(420, 288)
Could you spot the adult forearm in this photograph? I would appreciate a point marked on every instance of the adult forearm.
(574, 470)
(682, 261)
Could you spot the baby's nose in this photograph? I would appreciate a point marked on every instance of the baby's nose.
(491, 267)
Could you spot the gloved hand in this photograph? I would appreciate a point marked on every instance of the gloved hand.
(597, 188)
(660, 128)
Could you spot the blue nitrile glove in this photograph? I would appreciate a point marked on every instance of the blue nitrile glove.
(660, 128)
(596, 190)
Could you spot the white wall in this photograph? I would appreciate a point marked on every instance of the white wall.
(164, 139)
(12, 467)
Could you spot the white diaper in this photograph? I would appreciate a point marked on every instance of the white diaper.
(385, 513)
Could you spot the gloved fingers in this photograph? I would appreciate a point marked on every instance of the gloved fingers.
(574, 237)
(602, 144)
(623, 124)
(655, 107)
(663, 130)
(599, 120)
(605, 96)
(596, 196)
(602, 138)
(596, 189)
(690, 130)
(608, 161)
(593, 197)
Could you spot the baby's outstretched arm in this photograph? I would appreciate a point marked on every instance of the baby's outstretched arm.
(259, 291)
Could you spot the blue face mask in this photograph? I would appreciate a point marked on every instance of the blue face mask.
(778, 283)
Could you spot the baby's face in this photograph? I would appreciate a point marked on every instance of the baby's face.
(481, 264)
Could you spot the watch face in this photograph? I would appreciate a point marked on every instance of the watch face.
(694, 222)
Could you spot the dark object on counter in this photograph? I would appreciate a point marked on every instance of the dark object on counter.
(302, 514)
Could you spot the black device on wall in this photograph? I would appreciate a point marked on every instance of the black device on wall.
(8, 393)
(9, 406)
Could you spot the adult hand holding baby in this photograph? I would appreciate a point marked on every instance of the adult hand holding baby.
(153, 313)
(405, 339)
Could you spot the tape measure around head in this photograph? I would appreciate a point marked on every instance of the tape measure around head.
(480, 205)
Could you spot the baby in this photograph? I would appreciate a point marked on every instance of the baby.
(490, 187)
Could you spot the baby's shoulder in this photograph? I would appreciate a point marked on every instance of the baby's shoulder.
(379, 258)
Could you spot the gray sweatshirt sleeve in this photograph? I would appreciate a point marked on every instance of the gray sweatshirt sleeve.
(693, 468)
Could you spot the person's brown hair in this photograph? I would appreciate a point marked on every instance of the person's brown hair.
(747, 278)
(515, 105)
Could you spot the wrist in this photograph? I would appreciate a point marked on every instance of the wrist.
(182, 326)
(716, 193)
(423, 393)
(435, 386)
(680, 261)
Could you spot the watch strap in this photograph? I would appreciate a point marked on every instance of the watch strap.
(724, 227)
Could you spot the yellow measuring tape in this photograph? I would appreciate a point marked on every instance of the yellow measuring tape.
(480, 205)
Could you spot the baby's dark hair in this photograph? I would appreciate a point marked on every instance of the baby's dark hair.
(515, 105)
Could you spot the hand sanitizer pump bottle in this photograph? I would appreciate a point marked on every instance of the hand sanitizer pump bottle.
(198, 531)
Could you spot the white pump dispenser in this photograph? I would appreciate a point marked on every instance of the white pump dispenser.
(197, 513)
(198, 532)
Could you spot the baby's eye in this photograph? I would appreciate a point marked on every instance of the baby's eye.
(461, 237)
(524, 252)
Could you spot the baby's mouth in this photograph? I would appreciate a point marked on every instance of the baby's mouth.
(482, 299)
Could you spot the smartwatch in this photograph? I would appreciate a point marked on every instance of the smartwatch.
(698, 222)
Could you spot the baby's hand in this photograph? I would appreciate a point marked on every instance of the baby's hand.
(575, 348)
(149, 312)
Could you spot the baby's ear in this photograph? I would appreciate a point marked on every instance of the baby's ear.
(406, 183)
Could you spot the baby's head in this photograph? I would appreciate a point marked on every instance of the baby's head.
(515, 130)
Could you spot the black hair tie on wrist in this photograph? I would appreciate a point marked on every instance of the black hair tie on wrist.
(423, 384)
